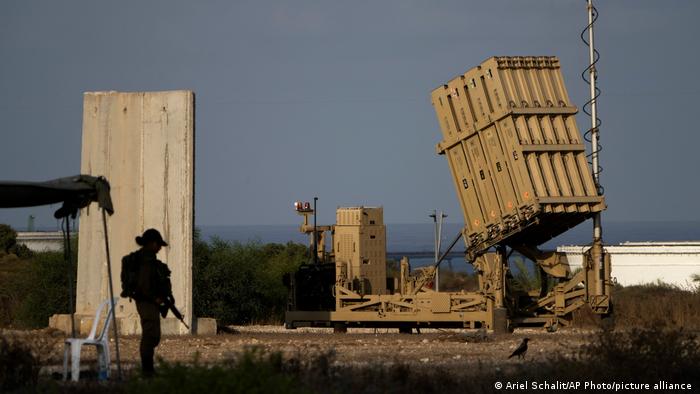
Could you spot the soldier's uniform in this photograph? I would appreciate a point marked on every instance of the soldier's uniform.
(152, 288)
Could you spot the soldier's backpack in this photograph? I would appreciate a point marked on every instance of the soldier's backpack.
(129, 275)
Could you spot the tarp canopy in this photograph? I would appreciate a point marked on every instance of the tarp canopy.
(74, 192)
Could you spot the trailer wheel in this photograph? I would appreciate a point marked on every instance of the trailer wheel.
(405, 329)
(340, 328)
(607, 320)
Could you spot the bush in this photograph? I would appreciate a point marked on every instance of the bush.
(21, 251)
(650, 305)
(47, 282)
(242, 283)
(232, 282)
(8, 238)
(33, 286)
(34, 289)
(658, 304)
(13, 289)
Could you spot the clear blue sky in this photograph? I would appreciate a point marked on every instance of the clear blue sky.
(331, 98)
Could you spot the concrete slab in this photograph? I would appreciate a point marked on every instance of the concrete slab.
(143, 143)
(205, 326)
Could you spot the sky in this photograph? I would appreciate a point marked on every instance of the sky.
(332, 98)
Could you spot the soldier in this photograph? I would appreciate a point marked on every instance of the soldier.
(147, 280)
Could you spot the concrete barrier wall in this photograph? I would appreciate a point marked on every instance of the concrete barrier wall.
(42, 241)
(143, 143)
(636, 263)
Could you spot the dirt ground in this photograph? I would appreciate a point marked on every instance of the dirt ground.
(448, 349)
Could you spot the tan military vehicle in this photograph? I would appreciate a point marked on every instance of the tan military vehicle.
(519, 167)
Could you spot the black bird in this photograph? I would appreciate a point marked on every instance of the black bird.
(521, 350)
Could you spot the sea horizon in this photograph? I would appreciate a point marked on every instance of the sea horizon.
(419, 237)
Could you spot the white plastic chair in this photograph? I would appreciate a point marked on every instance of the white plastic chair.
(101, 343)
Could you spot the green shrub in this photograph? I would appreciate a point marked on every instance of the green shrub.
(31, 290)
(8, 238)
(33, 286)
(232, 282)
(242, 283)
(45, 286)
(13, 291)
(21, 251)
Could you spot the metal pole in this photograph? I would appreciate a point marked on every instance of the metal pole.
(111, 297)
(597, 252)
(442, 257)
(437, 218)
(594, 104)
(315, 234)
(441, 216)
(449, 249)
(437, 249)
(439, 244)
(68, 255)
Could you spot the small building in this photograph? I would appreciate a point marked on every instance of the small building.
(42, 241)
(635, 263)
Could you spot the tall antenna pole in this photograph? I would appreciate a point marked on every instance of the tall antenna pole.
(593, 74)
(315, 234)
(595, 147)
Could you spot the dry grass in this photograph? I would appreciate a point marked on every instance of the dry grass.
(670, 355)
(659, 305)
(652, 305)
